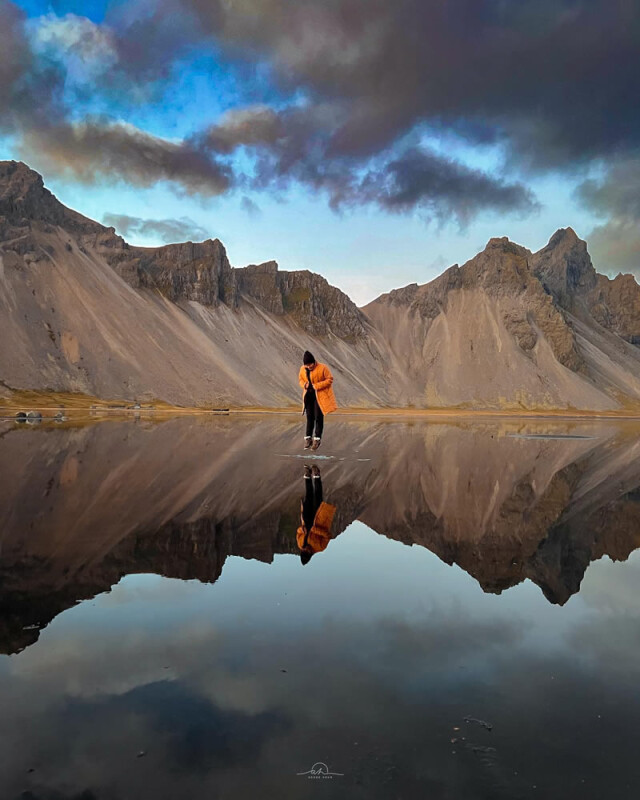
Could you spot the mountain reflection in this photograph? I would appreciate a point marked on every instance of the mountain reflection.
(83, 506)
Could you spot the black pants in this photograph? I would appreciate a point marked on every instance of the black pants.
(314, 415)
(312, 500)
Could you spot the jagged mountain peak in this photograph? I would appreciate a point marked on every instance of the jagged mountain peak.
(36, 227)
(403, 296)
(564, 235)
(16, 176)
(502, 244)
(500, 262)
(564, 267)
(25, 200)
(563, 242)
(23, 194)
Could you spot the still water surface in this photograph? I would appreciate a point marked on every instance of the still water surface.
(466, 624)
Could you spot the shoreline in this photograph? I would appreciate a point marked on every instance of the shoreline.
(96, 411)
(50, 403)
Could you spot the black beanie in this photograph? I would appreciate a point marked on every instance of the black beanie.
(308, 358)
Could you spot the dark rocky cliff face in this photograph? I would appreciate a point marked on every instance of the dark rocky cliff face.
(24, 201)
(307, 298)
(564, 268)
(615, 304)
(198, 272)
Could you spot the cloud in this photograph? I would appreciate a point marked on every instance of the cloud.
(15, 56)
(26, 89)
(443, 188)
(615, 196)
(254, 126)
(94, 148)
(87, 49)
(128, 51)
(360, 88)
(296, 143)
(168, 230)
(554, 78)
(312, 143)
(615, 246)
(549, 81)
(249, 207)
(100, 149)
(616, 192)
(150, 39)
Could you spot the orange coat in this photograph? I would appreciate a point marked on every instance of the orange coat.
(320, 533)
(321, 380)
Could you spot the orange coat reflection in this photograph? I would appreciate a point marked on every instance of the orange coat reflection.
(317, 539)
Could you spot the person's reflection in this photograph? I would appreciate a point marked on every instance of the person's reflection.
(316, 517)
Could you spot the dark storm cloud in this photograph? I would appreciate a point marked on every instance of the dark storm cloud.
(14, 60)
(617, 192)
(615, 244)
(311, 145)
(148, 45)
(100, 149)
(168, 230)
(553, 81)
(443, 188)
(297, 144)
(286, 146)
(27, 90)
(556, 77)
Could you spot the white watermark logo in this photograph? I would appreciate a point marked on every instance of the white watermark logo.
(320, 771)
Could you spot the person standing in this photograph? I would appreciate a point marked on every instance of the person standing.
(318, 398)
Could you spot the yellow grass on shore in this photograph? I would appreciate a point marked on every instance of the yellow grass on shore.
(72, 404)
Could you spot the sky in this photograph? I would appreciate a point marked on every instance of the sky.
(374, 142)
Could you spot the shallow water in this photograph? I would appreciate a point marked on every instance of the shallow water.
(471, 628)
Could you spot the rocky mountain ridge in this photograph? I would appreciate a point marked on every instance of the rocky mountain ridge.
(509, 330)
(192, 271)
(472, 326)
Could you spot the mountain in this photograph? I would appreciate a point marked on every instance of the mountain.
(83, 506)
(83, 311)
(513, 329)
